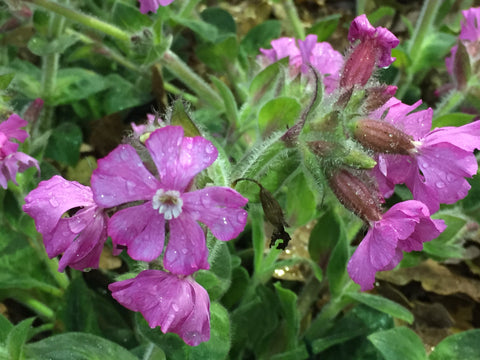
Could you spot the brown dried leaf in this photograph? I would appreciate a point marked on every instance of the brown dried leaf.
(434, 277)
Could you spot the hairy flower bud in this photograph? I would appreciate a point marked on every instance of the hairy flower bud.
(357, 196)
(377, 96)
(382, 137)
(359, 65)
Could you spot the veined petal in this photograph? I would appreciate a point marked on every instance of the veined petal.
(220, 208)
(186, 249)
(176, 304)
(11, 128)
(141, 229)
(179, 159)
(359, 266)
(121, 177)
(52, 198)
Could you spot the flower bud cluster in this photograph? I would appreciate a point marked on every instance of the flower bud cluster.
(367, 141)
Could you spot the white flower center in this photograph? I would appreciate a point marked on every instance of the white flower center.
(169, 203)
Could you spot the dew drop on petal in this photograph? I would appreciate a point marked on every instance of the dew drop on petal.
(53, 202)
(440, 184)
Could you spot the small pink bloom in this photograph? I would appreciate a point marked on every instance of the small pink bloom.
(439, 162)
(470, 26)
(81, 236)
(121, 177)
(404, 227)
(175, 303)
(306, 52)
(152, 5)
(139, 130)
(370, 47)
(11, 161)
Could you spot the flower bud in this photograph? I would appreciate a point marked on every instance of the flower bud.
(377, 96)
(461, 67)
(382, 137)
(359, 65)
(357, 196)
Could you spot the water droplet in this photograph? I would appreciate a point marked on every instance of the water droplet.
(209, 149)
(130, 187)
(175, 307)
(53, 202)
(450, 177)
(184, 251)
(440, 184)
(225, 222)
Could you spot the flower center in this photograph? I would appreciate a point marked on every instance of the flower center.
(169, 203)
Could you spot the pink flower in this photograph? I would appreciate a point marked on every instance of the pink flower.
(370, 47)
(440, 160)
(121, 177)
(469, 37)
(404, 227)
(175, 303)
(139, 130)
(11, 161)
(80, 237)
(308, 52)
(152, 5)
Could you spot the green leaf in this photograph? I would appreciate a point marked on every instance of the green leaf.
(77, 346)
(337, 266)
(278, 114)
(381, 12)
(216, 280)
(75, 84)
(219, 18)
(64, 144)
(288, 303)
(6, 79)
(399, 343)
(121, 94)
(5, 328)
(79, 314)
(231, 110)
(462, 346)
(472, 202)
(174, 347)
(220, 54)
(324, 236)
(129, 18)
(325, 27)
(384, 305)
(260, 37)
(41, 46)
(240, 280)
(453, 119)
(179, 116)
(218, 346)
(266, 79)
(301, 201)
(446, 246)
(204, 30)
(435, 47)
(17, 338)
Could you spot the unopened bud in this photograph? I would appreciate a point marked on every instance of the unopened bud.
(377, 96)
(359, 65)
(382, 137)
(322, 148)
(356, 195)
(461, 67)
(32, 113)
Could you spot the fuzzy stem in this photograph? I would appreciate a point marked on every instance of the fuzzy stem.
(295, 21)
(81, 18)
(182, 71)
(37, 306)
(449, 103)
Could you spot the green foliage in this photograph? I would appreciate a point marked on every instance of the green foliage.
(398, 344)
(463, 345)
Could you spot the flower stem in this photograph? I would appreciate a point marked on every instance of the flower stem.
(183, 72)
(295, 21)
(86, 20)
(37, 306)
(188, 8)
(423, 28)
(449, 103)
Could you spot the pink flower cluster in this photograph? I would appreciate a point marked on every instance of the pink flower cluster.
(433, 164)
(11, 160)
(152, 5)
(149, 209)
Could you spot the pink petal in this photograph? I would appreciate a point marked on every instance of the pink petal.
(121, 177)
(11, 128)
(15, 163)
(141, 229)
(152, 5)
(186, 249)
(220, 208)
(179, 159)
(52, 198)
(176, 304)
(359, 266)
(382, 244)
